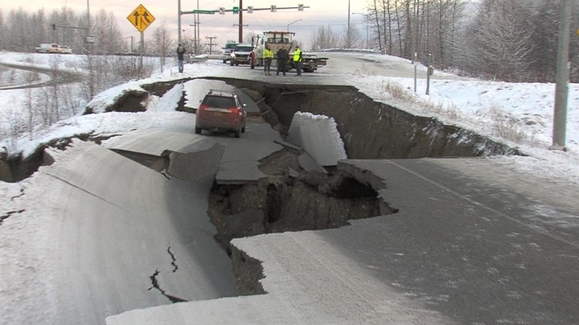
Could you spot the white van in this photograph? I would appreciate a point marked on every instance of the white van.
(48, 48)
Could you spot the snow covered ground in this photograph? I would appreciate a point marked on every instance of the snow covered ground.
(518, 114)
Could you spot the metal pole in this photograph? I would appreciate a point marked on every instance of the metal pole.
(295, 21)
(240, 21)
(197, 28)
(88, 17)
(195, 33)
(142, 53)
(367, 25)
(428, 73)
(179, 21)
(348, 37)
(562, 85)
(414, 45)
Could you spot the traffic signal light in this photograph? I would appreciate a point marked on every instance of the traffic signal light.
(300, 7)
(273, 8)
(235, 10)
(222, 10)
(249, 9)
(53, 26)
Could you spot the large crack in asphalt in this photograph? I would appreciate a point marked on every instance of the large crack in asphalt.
(288, 199)
(173, 260)
(9, 214)
(155, 285)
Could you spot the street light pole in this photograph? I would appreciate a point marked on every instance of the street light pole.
(562, 77)
(366, 18)
(295, 21)
(348, 36)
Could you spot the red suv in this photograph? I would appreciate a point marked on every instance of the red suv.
(221, 111)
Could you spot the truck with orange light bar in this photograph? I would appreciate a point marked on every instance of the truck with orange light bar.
(275, 40)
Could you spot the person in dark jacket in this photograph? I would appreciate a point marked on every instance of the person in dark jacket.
(180, 56)
(282, 57)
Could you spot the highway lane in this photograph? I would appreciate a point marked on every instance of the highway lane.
(130, 237)
(463, 249)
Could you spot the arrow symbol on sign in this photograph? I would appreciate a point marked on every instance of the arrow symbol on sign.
(146, 17)
(137, 18)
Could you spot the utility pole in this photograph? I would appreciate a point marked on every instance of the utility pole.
(240, 21)
(562, 85)
(211, 44)
(179, 13)
(197, 27)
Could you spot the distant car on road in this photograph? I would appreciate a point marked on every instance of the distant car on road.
(227, 50)
(64, 49)
(221, 111)
(48, 48)
(241, 54)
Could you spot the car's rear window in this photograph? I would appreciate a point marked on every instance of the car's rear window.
(219, 102)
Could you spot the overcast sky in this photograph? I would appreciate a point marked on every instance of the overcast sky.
(332, 13)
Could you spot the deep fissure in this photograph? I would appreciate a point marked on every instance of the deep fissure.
(9, 214)
(173, 260)
(155, 285)
(285, 202)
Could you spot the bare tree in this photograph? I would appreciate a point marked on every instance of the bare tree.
(545, 29)
(163, 44)
(502, 39)
(352, 37)
(109, 39)
(375, 11)
(324, 38)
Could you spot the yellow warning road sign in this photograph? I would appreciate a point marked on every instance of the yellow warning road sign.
(141, 18)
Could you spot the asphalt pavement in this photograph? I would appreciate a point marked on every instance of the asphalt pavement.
(464, 248)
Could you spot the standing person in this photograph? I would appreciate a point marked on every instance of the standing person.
(268, 57)
(282, 57)
(180, 54)
(298, 60)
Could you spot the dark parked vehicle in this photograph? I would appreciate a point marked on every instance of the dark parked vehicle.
(221, 111)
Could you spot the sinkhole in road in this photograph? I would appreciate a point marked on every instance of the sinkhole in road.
(288, 199)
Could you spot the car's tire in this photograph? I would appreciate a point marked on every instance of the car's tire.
(237, 133)
(251, 63)
(224, 61)
(197, 130)
(231, 63)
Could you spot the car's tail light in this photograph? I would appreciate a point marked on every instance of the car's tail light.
(203, 107)
(234, 110)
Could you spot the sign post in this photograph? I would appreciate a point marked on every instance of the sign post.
(141, 18)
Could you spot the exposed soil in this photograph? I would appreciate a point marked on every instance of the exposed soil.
(289, 199)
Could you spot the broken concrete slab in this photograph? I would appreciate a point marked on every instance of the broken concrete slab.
(319, 136)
